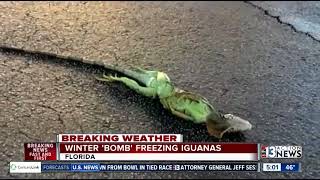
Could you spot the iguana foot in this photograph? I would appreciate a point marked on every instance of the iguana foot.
(108, 78)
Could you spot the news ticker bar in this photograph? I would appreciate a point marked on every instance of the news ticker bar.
(41, 167)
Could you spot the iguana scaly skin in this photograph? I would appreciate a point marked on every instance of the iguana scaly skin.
(156, 84)
(184, 104)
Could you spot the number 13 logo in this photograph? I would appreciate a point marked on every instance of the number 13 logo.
(271, 151)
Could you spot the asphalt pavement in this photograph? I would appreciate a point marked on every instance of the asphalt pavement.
(240, 58)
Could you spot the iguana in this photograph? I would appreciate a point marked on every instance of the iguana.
(184, 104)
(157, 84)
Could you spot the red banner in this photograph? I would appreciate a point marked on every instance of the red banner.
(40, 151)
(157, 148)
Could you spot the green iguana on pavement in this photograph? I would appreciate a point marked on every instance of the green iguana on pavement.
(156, 84)
(184, 104)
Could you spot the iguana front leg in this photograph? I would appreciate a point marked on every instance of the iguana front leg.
(132, 84)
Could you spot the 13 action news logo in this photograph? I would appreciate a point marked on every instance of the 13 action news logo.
(281, 151)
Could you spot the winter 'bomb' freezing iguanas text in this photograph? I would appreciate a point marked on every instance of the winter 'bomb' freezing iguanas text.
(156, 84)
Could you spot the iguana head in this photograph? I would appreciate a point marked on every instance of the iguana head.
(217, 125)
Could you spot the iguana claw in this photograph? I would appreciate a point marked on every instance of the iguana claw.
(107, 78)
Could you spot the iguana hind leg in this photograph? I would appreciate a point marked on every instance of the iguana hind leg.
(217, 128)
(181, 115)
(132, 84)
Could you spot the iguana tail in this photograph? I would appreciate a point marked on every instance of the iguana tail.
(130, 73)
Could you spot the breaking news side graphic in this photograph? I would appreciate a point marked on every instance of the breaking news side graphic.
(40, 151)
(281, 151)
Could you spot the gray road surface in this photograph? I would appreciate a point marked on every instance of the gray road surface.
(244, 61)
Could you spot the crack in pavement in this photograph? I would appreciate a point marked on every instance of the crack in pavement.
(49, 107)
(267, 13)
(56, 111)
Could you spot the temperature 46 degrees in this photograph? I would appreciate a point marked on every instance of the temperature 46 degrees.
(290, 167)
